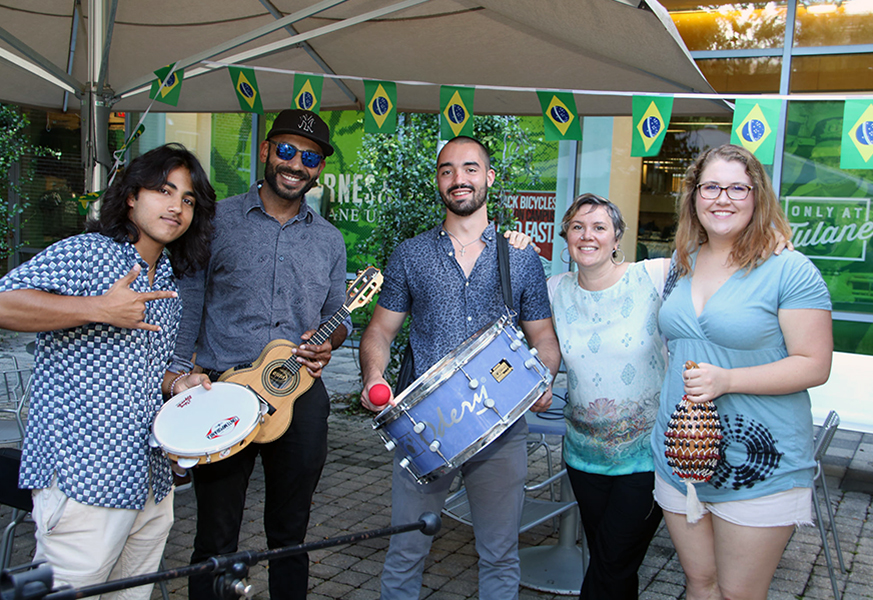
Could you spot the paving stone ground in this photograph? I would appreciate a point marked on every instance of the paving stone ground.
(354, 496)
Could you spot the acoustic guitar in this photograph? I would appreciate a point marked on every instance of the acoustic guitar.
(279, 378)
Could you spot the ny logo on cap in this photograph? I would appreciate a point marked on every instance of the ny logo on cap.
(306, 123)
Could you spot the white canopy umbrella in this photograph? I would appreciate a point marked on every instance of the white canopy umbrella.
(101, 54)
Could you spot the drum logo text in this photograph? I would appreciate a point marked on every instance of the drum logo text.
(501, 370)
(222, 427)
(477, 407)
(184, 402)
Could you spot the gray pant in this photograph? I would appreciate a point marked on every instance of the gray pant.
(494, 479)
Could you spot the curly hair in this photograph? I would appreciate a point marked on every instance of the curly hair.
(191, 251)
(758, 236)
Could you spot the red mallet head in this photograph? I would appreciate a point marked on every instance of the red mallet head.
(380, 394)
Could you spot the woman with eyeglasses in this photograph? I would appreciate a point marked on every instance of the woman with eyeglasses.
(759, 327)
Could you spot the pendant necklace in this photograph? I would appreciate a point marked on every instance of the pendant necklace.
(463, 250)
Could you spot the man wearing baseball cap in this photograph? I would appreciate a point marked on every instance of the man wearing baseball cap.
(277, 272)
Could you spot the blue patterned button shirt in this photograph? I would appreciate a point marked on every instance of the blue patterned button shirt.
(96, 388)
(424, 279)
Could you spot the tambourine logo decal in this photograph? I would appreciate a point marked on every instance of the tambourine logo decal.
(222, 427)
(184, 402)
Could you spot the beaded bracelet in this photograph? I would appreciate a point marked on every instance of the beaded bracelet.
(173, 385)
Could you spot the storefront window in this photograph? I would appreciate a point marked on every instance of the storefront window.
(743, 75)
(832, 73)
(829, 207)
(729, 26)
(833, 23)
(662, 178)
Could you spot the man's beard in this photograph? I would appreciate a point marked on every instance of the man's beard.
(271, 175)
(465, 210)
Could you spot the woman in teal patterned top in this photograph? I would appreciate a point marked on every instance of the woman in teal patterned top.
(606, 318)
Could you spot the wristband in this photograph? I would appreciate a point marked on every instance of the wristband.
(173, 385)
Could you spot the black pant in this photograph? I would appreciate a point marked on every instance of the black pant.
(292, 467)
(620, 517)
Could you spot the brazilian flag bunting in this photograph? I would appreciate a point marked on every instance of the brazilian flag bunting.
(380, 115)
(307, 92)
(651, 119)
(754, 127)
(456, 111)
(246, 86)
(560, 116)
(172, 85)
(856, 150)
(83, 202)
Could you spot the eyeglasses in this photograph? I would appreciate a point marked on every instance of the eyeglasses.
(735, 191)
(286, 151)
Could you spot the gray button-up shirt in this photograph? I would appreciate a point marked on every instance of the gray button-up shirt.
(264, 281)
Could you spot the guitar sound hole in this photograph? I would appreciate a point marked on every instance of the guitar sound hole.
(280, 377)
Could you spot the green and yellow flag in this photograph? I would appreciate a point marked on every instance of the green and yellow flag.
(754, 127)
(651, 119)
(83, 202)
(246, 86)
(560, 116)
(456, 111)
(380, 115)
(169, 92)
(856, 150)
(307, 92)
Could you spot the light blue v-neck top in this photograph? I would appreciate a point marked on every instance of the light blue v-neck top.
(767, 446)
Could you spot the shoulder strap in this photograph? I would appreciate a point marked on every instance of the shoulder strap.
(503, 268)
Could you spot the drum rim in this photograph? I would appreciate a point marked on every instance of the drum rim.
(474, 344)
(222, 443)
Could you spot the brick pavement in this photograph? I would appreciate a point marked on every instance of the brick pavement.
(354, 496)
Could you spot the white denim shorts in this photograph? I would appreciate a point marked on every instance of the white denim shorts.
(792, 507)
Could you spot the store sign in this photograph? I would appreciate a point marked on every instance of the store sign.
(535, 213)
(830, 228)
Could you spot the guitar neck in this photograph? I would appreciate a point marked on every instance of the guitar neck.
(324, 332)
(320, 336)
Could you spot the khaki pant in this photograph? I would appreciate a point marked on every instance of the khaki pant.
(87, 545)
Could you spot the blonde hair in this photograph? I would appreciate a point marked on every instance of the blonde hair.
(761, 232)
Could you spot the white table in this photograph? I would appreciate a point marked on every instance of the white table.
(849, 391)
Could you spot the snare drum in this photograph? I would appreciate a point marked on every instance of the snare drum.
(464, 402)
(200, 426)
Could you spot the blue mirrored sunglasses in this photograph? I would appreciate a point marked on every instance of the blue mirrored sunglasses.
(286, 151)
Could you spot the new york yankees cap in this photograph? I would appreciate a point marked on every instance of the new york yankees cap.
(305, 124)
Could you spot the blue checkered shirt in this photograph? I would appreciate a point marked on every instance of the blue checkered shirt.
(96, 388)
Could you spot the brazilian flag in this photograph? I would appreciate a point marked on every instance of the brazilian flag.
(85, 200)
(168, 93)
(856, 150)
(456, 111)
(307, 92)
(246, 86)
(380, 115)
(651, 119)
(754, 127)
(560, 116)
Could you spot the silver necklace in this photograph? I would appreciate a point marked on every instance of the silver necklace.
(463, 250)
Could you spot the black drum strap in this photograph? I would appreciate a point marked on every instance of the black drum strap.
(503, 269)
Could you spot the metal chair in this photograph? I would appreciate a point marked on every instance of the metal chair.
(822, 441)
(14, 395)
(10, 495)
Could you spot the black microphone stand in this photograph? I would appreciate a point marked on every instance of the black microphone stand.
(34, 581)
